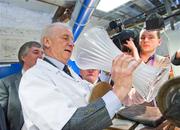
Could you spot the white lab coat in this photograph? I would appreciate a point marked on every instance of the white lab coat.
(49, 96)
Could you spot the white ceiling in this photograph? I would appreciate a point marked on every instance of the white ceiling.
(22, 20)
(128, 12)
(33, 5)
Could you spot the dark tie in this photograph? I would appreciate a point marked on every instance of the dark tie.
(66, 70)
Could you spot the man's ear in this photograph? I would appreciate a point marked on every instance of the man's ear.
(46, 42)
(23, 58)
(160, 40)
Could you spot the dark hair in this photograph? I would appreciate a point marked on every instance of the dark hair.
(25, 48)
(158, 34)
(154, 21)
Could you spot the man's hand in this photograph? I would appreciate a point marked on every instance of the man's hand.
(178, 54)
(130, 44)
(123, 67)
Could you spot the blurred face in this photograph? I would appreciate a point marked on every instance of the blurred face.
(59, 44)
(91, 75)
(149, 41)
(31, 57)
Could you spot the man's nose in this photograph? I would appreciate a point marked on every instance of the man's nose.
(41, 55)
(146, 39)
(71, 43)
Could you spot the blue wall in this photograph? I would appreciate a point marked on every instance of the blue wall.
(73, 65)
(8, 69)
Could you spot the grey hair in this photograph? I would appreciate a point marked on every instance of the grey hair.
(47, 30)
(23, 51)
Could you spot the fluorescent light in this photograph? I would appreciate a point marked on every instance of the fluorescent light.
(108, 5)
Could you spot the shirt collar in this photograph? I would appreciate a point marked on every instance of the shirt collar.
(151, 59)
(57, 63)
(22, 71)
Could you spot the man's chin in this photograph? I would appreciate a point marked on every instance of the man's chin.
(147, 50)
(68, 57)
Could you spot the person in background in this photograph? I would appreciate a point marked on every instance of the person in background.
(149, 40)
(90, 75)
(176, 58)
(9, 98)
(53, 97)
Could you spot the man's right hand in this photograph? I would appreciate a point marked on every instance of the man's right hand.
(123, 67)
(178, 54)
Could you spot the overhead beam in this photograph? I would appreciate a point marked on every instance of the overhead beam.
(62, 14)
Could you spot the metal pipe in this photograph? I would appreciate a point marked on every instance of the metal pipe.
(169, 12)
(82, 12)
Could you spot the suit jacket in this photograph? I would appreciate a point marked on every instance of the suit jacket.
(2, 119)
(9, 100)
(161, 61)
(92, 117)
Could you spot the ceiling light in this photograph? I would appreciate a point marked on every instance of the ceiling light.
(108, 5)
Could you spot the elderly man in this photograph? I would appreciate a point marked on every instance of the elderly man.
(9, 98)
(55, 98)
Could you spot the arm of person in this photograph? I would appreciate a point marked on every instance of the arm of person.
(92, 117)
(3, 94)
(132, 98)
(2, 119)
(176, 58)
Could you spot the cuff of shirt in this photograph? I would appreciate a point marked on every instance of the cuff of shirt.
(112, 102)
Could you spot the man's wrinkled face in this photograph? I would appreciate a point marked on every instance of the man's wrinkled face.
(32, 55)
(149, 41)
(91, 75)
(60, 44)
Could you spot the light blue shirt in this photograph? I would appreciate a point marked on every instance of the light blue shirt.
(58, 64)
(113, 104)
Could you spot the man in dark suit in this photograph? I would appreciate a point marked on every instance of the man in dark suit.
(9, 99)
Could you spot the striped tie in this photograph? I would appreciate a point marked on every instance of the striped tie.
(66, 70)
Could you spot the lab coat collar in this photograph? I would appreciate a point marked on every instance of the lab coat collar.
(41, 63)
(57, 63)
(46, 65)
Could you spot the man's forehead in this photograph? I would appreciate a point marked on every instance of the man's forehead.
(147, 32)
(35, 48)
(68, 31)
(64, 30)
